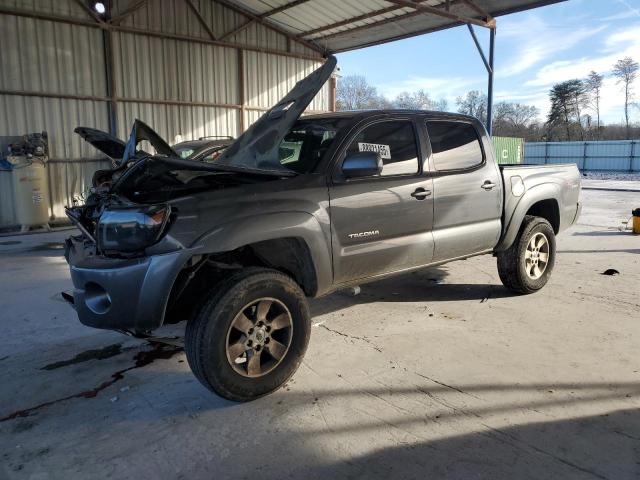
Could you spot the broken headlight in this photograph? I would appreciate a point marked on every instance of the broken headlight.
(131, 229)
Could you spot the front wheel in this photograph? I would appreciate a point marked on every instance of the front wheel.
(525, 267)
(249, 338)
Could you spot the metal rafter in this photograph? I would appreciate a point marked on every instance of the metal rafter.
(201, 19)
(481, 11)
(366, 16)
(89, 11)
(386, 21)
(269, 13)
(150, 33)
(282, 31)
(441, 12)
(130, 10)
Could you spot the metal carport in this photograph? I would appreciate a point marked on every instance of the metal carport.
(333, 26)
(193, 67)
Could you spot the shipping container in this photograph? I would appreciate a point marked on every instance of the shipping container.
(509, 150)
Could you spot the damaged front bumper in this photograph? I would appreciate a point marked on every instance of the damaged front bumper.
(121, 294)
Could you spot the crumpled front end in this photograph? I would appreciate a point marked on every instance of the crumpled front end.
(128, 294)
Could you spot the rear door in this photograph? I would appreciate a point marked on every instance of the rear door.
(383, 223)
(467, 188)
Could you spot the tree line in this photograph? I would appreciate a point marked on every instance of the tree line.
(575, 106)
(355, 93)
(574, 112)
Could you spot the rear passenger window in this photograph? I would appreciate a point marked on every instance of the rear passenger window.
(454, 145)
(396, 143)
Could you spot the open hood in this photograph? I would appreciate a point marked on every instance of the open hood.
(111, 146)
(258, 147)
(121, 152)
(140, 132)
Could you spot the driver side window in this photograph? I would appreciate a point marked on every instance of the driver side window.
(395, 140)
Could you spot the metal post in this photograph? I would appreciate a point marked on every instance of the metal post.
(546, 152)
(492, 41)
(584, 157)
(109, 61)
(241, 94)
(489, 66)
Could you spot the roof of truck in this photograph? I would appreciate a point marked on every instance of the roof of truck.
(376, 112)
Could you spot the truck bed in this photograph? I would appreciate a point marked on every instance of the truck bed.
(557, 181)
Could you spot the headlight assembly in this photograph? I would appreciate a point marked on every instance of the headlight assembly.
(131, 229)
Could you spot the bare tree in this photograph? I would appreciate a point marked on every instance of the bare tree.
(419, 100)
(513, 119)
(354, 93)
(474, 103)
(593, 85)
(626, 72)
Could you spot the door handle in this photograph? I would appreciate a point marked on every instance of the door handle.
(421, 193)
(488, 185)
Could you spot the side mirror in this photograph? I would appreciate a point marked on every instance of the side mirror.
(362, 164)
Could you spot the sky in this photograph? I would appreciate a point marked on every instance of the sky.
(534, 50)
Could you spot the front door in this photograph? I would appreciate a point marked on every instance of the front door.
(382, 223)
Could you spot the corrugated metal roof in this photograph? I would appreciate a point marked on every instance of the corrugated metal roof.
(340, 25)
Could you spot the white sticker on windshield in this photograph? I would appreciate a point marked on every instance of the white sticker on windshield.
(383, 150)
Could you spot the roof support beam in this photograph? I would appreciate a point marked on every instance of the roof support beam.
(201, 19)
(250, 22)
(479, 47)
(481, 11)
(441, 13)
(150, 33)
(366, 16)
(255, 17)
(489, 66)
(130, 10)
(89, 11)
(379, 23)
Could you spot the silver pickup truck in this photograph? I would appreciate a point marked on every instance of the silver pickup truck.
(297, 207)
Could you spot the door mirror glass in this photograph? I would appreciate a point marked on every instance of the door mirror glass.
(362, 164)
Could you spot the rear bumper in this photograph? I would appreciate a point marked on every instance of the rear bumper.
(122, 294)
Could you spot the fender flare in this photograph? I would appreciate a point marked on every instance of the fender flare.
(256, 228)
(538, 193)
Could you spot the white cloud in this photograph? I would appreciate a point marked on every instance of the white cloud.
(618, 45)
(536, 42)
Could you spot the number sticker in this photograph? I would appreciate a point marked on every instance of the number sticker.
(383, 150)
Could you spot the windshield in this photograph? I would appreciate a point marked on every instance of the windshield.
(304, 145)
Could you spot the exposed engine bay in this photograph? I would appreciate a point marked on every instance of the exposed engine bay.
(134, 194)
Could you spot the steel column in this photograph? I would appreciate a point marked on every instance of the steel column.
(492, 42)
(109, 66)
(489, 66)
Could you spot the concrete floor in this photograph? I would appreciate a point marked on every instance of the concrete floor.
(439, 374)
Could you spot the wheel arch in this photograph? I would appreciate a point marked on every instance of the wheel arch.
(540, 201)
(293, 243)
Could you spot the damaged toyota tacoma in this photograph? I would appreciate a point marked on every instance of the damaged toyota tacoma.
(295, 208)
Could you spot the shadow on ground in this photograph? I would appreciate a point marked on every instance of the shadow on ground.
(427, 285)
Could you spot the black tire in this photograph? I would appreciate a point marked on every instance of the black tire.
(511, 262)
(206, 334)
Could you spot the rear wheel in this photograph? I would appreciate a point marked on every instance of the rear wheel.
(526, 266)
(250, 337)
